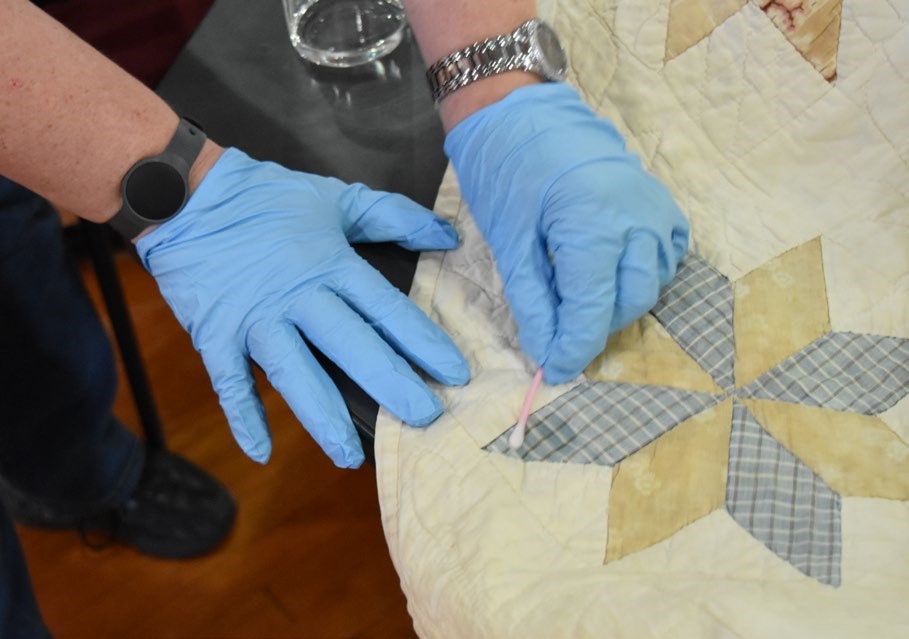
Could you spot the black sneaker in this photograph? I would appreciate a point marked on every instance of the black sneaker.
(176, 511)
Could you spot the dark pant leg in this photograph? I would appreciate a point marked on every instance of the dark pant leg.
(60, 448)
(19, 615)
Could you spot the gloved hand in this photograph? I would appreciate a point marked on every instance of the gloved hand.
(582, 235)
(261, 254)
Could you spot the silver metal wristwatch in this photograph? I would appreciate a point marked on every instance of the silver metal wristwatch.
(532, 47)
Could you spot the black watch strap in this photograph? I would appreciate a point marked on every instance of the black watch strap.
(151, 188)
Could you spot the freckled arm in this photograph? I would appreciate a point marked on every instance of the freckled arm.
(71, 121)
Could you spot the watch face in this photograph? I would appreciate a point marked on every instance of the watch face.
(155, 190)
(555, 61)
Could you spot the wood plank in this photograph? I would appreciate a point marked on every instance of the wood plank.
(307, 557)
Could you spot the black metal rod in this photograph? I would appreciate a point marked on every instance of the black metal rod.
(102, 256)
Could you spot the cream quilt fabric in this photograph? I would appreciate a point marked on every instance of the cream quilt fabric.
(761, 493)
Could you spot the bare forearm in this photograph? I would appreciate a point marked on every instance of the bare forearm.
(71, 121)
(443, 26)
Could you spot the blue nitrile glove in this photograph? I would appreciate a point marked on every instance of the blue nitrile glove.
(262, 254)
(582, 235)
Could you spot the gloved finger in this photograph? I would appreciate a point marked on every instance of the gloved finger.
(402, 324)
(585, 271)
(376, 216)
(346, 339)
(529, 289)
(232, 379)
(680, 237)
(672, 237)
(638, 280)
(307, 389)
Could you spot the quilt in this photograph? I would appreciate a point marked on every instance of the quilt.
(735, 463)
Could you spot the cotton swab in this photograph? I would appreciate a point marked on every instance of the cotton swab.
(516, 439)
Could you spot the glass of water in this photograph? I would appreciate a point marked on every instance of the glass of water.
(344, 33)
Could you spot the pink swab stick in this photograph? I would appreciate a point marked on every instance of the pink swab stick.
(516, 439)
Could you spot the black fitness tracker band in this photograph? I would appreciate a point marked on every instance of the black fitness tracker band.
(156, 188)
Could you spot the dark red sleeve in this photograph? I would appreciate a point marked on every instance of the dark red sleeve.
(142, 36)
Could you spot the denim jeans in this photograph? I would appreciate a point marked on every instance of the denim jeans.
(60, 448)
(19, 616)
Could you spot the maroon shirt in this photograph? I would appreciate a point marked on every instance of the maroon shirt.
(142, 36)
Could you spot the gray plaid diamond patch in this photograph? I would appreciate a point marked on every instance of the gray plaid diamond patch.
(603, 422)
(696, 310)
(781, 502)
(844, 371)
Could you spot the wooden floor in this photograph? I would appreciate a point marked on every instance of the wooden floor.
(307, 557)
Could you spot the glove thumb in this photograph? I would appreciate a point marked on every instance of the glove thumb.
(376, 216)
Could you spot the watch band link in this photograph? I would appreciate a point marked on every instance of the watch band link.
(509, 52)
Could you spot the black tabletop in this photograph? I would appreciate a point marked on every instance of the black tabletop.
(240, 78)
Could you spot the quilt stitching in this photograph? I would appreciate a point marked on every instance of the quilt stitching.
(796, 20)
(736, 146)
(423, 544)
(881, 48)
(606, 422)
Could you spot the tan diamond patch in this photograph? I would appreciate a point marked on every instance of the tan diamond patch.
(763, 335)
(856, 455)
(670, 483)
(690, 21)
(644, 353)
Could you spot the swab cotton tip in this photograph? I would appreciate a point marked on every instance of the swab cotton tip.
(516, 439)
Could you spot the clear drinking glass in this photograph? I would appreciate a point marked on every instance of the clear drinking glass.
(344, 33)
